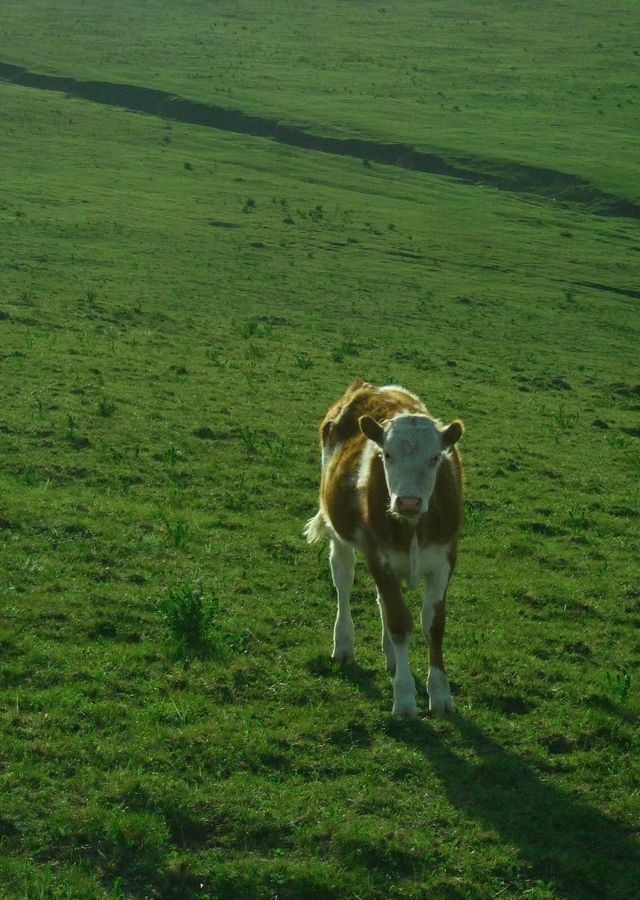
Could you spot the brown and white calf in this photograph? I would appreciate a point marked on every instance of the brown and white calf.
(391, 488)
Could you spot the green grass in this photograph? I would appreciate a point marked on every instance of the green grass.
(170, 337)
(544, 84)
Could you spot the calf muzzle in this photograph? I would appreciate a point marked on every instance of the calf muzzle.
(408, 506)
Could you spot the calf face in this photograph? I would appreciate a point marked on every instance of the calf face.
(412, 448)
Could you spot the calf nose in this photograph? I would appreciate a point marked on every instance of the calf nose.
(409, 506)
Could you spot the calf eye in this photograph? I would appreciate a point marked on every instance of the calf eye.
(433, 460)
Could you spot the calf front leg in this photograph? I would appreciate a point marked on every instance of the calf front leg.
(433, 622)
(397, 629)
(342, 560)
(404, 687)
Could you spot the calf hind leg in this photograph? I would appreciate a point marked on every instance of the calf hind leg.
(342, 559)
(387, 643)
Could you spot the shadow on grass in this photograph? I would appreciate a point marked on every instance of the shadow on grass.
(363, 679)
(562, 840)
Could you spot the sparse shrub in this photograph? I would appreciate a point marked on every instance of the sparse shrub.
(118, 888)
(347, 348)
(106, 408)
(255, 352)
(171, 456)
(249, 375)
(619, 685)
(633, 459)
(177, 532)
(188, 167)
(249, 205)
(215, 357)
(565, 420)
(276, 451)
(249, 328)
(618, 441)
(174, 497)
(249, 439)
(478, 640)
(304, 362)
(190, 614)
(77, 440)
(237, 501)
(91, 297)
(32, 477)
(578, 518)
(187, 613)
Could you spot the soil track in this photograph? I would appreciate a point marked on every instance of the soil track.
(507, 176)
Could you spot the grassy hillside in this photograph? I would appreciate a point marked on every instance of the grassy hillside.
(546, 84)
(178, 308)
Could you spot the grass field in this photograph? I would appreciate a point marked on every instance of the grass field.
(179, 306)
(546, 83)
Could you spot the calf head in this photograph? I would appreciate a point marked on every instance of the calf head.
(411, 449)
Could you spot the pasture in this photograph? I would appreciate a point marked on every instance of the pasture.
(179, 306)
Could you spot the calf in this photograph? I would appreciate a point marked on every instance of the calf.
(391, 488)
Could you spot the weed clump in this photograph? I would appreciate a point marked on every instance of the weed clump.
(106, 408)
(619, 686)
(188, 613)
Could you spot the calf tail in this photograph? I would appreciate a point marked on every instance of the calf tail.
(315, 528)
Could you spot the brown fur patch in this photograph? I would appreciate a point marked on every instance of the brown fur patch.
(363, 399)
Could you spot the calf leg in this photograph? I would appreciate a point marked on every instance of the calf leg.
(404, 687)
(398, 626)
(433, 621)
(342, 559)
(387, 643)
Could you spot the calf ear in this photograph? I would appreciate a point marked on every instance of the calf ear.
(371, 429)
(452, 434)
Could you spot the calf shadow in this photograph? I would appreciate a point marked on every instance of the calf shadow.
(364, 680)
(562, 840)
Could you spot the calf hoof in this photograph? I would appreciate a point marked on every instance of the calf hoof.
(343, 657)
(440, 702)
(405, 710)
(441, 707)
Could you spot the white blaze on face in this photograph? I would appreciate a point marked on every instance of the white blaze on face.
(411, 453)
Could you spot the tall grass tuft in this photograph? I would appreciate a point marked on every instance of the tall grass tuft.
(187, 613)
